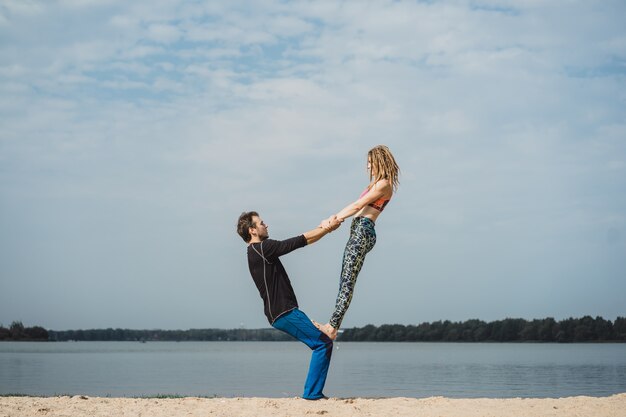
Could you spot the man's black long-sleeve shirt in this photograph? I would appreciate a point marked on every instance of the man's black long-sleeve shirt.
(270, 276)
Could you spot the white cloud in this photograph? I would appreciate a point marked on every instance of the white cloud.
(22, 7)
(141, 51)
(124, 22)
(164, 33)
(288, 26)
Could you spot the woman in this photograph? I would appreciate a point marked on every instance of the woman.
(383, 172)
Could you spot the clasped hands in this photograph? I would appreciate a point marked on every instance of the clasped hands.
(331, 223)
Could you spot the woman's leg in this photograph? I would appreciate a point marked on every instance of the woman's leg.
(362, 240)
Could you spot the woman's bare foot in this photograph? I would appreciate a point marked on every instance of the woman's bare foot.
(317, 325)
(329, 331)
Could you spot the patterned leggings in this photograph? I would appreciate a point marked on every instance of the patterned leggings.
(362, 240)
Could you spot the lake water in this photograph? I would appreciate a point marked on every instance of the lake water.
(278, 369)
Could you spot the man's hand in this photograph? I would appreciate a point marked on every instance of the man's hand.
(331, 223)
(325, 227)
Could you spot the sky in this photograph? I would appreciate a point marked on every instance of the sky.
(133, 134)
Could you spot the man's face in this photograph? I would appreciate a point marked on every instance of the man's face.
(260, 228)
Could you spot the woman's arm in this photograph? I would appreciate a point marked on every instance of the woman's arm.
(379, 190)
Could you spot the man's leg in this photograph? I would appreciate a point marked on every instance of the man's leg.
(298, 325)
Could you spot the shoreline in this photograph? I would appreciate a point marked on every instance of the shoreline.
(218, 397)
(80, 405)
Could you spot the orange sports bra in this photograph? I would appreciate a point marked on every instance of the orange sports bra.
(378, 204)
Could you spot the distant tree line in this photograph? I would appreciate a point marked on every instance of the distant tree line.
(209, 335)
(585, 329)
(17, 332)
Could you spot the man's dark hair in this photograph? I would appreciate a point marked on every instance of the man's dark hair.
(245, 223)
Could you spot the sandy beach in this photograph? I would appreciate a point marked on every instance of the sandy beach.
(614, 406)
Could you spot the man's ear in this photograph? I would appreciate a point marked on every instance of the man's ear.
(252, 231)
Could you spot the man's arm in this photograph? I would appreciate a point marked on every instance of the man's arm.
(319, 232)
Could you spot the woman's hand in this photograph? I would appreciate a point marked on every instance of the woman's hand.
(325, 224)
(331, 223)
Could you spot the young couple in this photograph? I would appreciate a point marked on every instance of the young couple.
(270, 277)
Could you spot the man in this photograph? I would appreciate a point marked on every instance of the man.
(279, 299)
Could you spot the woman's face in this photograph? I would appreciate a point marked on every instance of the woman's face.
(370, 168)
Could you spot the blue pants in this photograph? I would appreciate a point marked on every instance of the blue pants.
(298, 325)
